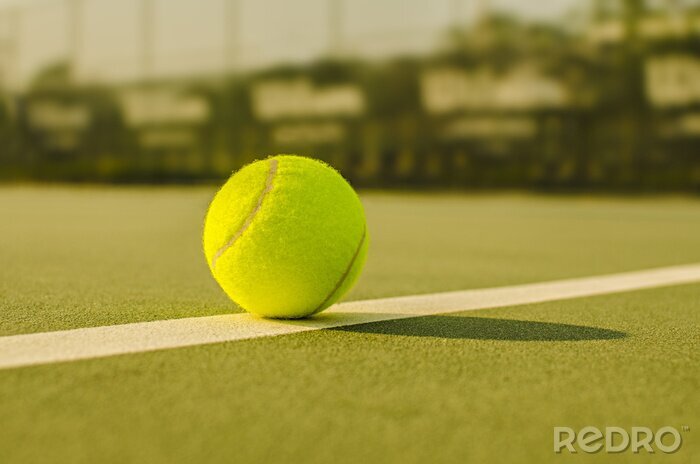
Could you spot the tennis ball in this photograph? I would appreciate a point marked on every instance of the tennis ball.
(285, 237)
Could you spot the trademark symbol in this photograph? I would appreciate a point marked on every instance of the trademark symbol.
(685, 428)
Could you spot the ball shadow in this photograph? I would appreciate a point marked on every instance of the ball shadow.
(483, 328)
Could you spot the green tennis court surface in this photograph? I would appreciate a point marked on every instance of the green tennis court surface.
(484, 386)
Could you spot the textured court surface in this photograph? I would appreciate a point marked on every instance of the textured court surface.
(486, 386)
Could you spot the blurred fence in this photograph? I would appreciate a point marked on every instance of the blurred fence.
(503, 104)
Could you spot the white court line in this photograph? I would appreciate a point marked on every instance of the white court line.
(71, 345)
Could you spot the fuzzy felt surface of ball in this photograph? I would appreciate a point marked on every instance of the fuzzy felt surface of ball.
(285, 237)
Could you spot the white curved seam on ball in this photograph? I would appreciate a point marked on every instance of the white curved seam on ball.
(346, 273)
(249, 220)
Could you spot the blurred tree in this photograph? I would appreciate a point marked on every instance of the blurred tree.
(8, 142)
(392, 89)
(54, 76)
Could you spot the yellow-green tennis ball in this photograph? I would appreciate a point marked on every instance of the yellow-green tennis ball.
(285, 237)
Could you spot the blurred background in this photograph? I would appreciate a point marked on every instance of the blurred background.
(448, 94)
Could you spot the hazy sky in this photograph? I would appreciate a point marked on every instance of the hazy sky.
(189, 34)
